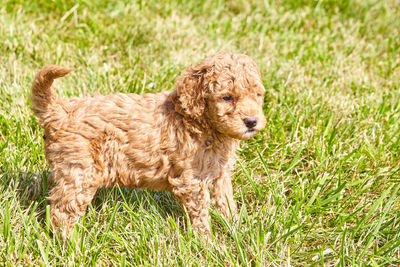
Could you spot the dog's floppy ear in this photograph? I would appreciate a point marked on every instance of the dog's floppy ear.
(193, 88)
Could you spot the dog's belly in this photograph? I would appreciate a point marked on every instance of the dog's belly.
(126, 166)
(142, 175)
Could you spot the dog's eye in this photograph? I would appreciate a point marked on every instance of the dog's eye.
(227, 98)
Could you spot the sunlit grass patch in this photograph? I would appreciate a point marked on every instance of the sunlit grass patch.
(320, 185)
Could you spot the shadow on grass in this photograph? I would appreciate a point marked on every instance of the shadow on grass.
(31, 187)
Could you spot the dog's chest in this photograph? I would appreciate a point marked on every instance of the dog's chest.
(210, 161)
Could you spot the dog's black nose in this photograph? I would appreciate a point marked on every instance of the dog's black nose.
(250, 122)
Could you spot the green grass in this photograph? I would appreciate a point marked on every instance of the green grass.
(319, 186)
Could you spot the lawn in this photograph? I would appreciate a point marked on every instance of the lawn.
(319, 186)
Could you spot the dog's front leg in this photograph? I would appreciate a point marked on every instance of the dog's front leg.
(195, 196)
(223, 195)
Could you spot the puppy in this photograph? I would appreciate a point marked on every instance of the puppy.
(182, 141)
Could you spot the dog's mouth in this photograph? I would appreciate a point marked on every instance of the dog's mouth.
(249, 133)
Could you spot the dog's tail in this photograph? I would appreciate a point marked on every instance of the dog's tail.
(42, 96)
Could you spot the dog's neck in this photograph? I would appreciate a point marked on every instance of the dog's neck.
(222, 142)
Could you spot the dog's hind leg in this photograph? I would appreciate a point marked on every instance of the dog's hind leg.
(69, 199)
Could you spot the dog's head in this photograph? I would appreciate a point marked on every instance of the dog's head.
(224, 92)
